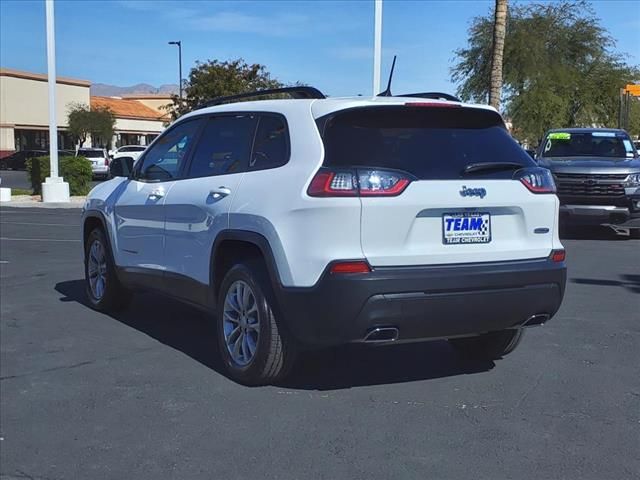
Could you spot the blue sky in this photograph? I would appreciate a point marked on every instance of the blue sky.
(323, 43)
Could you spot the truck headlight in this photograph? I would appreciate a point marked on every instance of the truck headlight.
(633, 180)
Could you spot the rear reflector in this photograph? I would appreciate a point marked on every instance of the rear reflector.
(558, 256)
(358, 266)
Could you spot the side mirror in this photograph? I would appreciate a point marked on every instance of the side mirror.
(121, 167)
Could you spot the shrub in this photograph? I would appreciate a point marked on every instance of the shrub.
(76, 171)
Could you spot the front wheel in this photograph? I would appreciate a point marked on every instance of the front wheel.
(253, 345)
(489, 346)
(104, 291)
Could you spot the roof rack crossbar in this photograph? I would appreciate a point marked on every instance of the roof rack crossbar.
(302, 92)
(432, 95)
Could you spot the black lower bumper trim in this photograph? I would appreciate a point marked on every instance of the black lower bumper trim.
(423, 302)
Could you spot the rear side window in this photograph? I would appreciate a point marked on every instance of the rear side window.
(428, 142)
(224, 146)
(271, 145)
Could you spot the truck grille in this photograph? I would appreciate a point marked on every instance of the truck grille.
(610, 185)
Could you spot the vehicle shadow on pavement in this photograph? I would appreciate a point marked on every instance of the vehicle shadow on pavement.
(591, 233)
(630, 282)
(362, 365)
(193, 332)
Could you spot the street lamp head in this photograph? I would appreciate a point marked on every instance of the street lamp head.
(175, 43)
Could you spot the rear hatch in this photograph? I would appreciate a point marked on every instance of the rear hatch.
(96, 157)
(465, 202)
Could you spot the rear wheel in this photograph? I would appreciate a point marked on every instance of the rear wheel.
(104, 291)
(253, 345)
(489, 346)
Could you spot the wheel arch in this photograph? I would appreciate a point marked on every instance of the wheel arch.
(231, 246)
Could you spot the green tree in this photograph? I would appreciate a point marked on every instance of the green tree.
(497, 52)
(559, 68)
(211, 79)
(84, 121)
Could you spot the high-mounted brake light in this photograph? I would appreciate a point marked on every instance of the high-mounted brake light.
(537, 180)
(357, 266)
(358, 182)
(432, 104)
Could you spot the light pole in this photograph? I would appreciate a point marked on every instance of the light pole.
(54, 189)
(377, 46)
(179, 44)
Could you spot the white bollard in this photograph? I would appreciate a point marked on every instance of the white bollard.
(55, 189)
(5, 194)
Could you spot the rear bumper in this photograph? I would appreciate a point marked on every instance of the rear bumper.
(99, 169)
(423, 302)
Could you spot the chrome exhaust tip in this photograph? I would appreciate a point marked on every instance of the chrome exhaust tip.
(537, 319)
(382, 334)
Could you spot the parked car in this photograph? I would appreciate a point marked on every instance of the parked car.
(131, 150)
(312, 222)
(18, 160)
(99, 160)
(598, 176)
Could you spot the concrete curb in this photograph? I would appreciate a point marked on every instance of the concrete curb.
(28, 201)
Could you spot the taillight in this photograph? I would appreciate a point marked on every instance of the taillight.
(537, 180)
(358, 182)
(328, 183)
(558, 256)
(106, 161)
(357, 266)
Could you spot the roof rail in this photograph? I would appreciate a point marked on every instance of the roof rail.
(302, 92)
(432, 95)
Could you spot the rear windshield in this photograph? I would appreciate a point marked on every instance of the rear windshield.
(91, 153)
(428, 142)
(587, 144)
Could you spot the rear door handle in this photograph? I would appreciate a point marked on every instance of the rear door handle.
(220, 192)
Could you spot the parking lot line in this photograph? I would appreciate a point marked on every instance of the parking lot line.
(39, 239)
(44, 224)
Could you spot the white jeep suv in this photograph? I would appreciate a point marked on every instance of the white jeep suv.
(313, 222)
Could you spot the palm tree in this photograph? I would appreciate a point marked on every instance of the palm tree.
(499, 31)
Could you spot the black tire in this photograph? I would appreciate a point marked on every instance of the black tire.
(489, 346)
(3, 165)
(275, 350)
(634, 233)
(114, 297)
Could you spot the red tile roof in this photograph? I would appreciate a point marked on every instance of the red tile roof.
(123, 108)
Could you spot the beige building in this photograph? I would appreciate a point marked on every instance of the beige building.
(24, 112)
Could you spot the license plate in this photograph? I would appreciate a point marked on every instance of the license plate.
(94, 162)
(466, 227)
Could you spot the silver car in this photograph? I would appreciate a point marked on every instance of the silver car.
(99, 160)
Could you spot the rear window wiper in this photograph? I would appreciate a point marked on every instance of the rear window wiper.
(487, 166)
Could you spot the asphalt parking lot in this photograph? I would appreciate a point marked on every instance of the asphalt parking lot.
(139, 395)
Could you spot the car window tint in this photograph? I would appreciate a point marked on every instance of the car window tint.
(164, 160)
(430, 143)
(224, 146)
(271, 146)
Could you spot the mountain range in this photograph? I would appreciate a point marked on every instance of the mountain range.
(105, 90)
